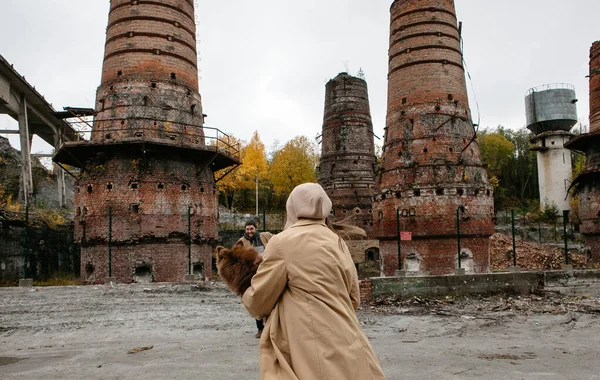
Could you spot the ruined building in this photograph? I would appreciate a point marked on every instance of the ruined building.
(551, 113)
(348, 161)
(146, 198)
(347, 167)
(432, 171)
(588, 181)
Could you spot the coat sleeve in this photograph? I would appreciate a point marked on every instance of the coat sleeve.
(267, 284)
(355, 292)
(354, 289)
(265, 237)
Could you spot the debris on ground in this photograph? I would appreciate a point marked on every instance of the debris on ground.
(139, 349)
(480, 306)
(530, 255)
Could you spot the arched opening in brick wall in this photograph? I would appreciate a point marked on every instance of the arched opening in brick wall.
(466, 260)
(89, 272)
(143, 274)
(198, 269)
(413, 262)
(372, 254)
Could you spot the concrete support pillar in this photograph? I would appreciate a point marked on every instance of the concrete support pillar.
(27, 179)
(60, 175)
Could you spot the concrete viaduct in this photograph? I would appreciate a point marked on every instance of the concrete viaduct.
(35, 116)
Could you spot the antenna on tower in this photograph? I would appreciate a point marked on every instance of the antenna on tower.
(361, 74)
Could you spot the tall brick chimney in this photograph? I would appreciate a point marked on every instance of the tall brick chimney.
(347, 168)
(146, 198)
(431, 165)
(588, 182)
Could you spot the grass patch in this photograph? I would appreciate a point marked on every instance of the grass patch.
(7, 284)
(58, 281)
(64, 280)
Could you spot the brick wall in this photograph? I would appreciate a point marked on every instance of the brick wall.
(366, 290)
(149, 163)
(589, 180)
(348, 162)
(436, 256)
(165, 262)
(151, 40)
(431, 164)
(595, 87)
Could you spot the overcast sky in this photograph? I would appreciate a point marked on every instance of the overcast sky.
(264, 63)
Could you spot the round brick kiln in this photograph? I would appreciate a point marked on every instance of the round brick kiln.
(431, 165)
(588, 182)
(146, 199)
(348, 162)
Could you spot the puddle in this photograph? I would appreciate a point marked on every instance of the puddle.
(6, 360)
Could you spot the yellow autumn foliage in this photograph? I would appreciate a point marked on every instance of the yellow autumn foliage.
(293, 164)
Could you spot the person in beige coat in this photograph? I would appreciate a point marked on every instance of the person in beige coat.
(307, 285)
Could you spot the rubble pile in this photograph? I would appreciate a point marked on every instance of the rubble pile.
(532, 256)
(480, 306)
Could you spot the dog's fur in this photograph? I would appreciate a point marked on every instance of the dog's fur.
(237, 266)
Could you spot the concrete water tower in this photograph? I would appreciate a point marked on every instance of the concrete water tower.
(551, 113)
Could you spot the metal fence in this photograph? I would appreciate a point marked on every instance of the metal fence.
(234, 221)
(518, 227)
(29, 249)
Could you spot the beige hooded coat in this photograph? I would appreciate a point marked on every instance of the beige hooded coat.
(308, 287)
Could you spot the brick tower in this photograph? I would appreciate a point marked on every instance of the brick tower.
(347, 168)
(431, 166)
(146, 198)
(588, 182)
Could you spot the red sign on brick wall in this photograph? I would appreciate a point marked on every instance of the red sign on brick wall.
(405, 235)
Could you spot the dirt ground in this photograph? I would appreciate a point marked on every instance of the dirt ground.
(205, 333)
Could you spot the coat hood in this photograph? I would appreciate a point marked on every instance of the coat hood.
(307, 201)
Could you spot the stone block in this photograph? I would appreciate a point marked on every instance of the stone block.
(25, 283)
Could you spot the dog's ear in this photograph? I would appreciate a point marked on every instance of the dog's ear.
(219, 252)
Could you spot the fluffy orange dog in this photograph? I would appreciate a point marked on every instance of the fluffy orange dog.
(237, 266)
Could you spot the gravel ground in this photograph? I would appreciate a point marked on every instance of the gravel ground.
(205, 333)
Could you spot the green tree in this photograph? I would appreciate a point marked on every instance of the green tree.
(523, 165)
(514, 171)
(496, 151)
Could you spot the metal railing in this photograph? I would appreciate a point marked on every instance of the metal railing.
(175, 132)
(551, 86)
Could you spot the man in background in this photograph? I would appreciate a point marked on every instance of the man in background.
(257, 240)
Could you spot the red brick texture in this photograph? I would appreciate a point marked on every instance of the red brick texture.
(589, 180)
(166, 262)
(149, 92)
(595, 87)
(431, 164)
(366, 290)
(347, 167)
(150, 40)
(437, 256)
